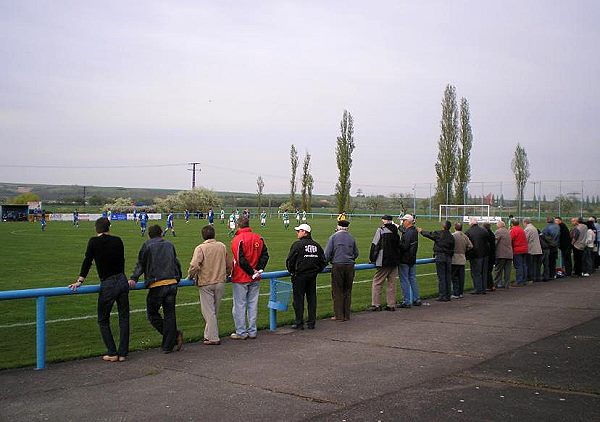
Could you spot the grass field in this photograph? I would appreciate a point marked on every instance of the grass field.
(32, 259)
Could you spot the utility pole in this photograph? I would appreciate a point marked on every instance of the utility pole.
(84, 195)
(193, 170)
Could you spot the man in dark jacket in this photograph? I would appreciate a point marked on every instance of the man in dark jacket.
(565, 246)
(157, 260)
(385, 254)
(491, 260)
(409, 244)
(478, 256)
(304, 262)
(443, 249)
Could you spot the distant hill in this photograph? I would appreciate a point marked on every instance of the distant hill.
(68, 193)
(102, 194)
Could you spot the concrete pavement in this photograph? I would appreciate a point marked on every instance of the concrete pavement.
(520, 354)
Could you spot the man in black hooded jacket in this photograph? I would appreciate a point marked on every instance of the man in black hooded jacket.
(304, 262)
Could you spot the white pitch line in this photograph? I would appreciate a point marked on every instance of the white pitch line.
(137, 311)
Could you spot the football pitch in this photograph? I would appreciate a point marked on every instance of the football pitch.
(33, 259)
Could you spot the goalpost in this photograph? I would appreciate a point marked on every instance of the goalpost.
(461, 211)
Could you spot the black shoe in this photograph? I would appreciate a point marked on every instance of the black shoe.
(389, 308)
(311, 326)
(443, 299)
(374, 308)
(417, 303)
(405, 306)
(297, 326)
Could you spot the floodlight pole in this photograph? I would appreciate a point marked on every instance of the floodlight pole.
(193, 170)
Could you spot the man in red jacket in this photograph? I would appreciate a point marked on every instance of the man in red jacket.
(518, 239)
(250, 258)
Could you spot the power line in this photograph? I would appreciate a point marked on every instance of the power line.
(123, 166)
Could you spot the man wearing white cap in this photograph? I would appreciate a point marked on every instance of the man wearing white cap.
(409, 244)
(304, 262)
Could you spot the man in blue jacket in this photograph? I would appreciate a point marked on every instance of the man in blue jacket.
(157, 260)
(342, 252)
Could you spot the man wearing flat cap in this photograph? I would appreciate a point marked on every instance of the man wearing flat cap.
(342, 252)
(385, 254)
(304, 262)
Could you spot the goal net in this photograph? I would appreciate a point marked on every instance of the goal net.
(464, 212)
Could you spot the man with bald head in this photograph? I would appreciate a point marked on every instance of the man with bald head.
(578, 235)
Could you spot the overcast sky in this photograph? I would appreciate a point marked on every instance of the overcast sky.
(233, 84)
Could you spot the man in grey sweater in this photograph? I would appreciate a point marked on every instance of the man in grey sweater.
(341, 252)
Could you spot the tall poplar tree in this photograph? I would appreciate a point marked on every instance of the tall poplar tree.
(310, 184)
(260, 185)
(294, 164)
(306, 181)
(520, 167)
(343, 153)
(463, 170)
(445, 167)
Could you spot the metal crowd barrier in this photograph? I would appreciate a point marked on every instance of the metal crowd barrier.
(41, 294)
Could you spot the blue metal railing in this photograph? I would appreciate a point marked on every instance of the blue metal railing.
(41, 294)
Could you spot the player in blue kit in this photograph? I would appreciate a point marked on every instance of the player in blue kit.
(211, 216)
(143, 222)
(43, 221)
(187, 216)
(135, 216)
(170, 225)
(76, 218)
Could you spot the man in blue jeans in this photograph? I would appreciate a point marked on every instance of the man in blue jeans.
(409, 244)
(250, 257)
(157, 260)
(107, 252)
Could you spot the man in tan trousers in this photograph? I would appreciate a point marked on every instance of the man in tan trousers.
(209, 268)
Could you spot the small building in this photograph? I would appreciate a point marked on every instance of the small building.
(14, 212)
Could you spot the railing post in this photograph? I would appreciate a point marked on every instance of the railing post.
(273, 312)
(40, 329)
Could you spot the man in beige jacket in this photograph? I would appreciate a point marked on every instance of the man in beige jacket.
(209, 268)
